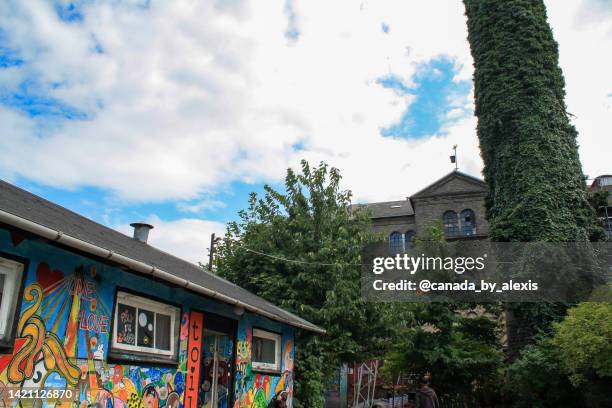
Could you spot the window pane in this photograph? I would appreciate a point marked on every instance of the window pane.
(162, 332)
(450, 223)
(409, 238)
(126, 331)
(264, 350)
(468, 223)
(396, 243)
(146, 327)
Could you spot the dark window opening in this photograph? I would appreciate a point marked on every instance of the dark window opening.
(468, 222)
(409, 238)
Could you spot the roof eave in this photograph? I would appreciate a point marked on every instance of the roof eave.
(142, 267)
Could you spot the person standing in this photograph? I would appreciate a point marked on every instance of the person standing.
(425, 396)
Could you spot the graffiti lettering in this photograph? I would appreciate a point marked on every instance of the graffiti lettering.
(93, 323)
(194, 345)
(85, 289)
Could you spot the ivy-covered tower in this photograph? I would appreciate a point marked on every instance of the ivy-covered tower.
(537, 189)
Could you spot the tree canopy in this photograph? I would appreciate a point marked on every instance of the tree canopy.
(301, 249)
(584, 339)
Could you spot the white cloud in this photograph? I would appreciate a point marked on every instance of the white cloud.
(188, 96)
(187, 238)
(200, 205)
(177, 106)
(583, 30)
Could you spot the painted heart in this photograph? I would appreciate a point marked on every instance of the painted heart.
(46, 277)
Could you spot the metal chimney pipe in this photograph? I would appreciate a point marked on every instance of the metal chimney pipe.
(141, 231)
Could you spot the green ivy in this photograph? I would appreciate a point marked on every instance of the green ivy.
(537, 190)
(536, 185)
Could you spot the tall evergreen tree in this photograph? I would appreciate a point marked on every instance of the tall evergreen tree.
(537, 190)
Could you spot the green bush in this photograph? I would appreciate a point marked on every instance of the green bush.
(584, 340)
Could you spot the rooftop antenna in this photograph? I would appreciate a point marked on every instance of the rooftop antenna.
(453, 158)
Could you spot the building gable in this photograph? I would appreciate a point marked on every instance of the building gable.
(453, 183)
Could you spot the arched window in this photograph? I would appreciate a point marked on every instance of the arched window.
(396, 242)
(450, 224)
(409, 238)
(468, 222)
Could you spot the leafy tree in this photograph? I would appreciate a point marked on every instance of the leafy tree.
(536, 379)
(531, 165)
(301, 249)
(460, 350)
(584, 339)
(572, 367)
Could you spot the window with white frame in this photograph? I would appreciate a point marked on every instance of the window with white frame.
(266, 350)
(144, 325)
(10, 283)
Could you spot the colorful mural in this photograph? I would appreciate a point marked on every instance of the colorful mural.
(63, 318)
(253, 389)
(63, 331)
(221, 347)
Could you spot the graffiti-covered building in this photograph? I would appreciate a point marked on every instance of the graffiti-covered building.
(92, 317)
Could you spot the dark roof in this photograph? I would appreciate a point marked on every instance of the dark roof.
(40, 211)
(389, 209)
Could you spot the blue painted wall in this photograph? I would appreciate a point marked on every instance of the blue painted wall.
(63, 328)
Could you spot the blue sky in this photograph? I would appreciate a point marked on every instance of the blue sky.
(134, 110)
(433, 87)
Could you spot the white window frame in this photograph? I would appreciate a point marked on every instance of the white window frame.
(261, 366)
(129, 299)
(12, 271)
(605, 181)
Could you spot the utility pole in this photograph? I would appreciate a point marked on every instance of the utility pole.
(211, 252)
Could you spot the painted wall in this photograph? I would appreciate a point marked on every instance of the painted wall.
(63, 336)
(257, 389)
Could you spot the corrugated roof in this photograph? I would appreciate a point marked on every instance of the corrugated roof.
(33, 208)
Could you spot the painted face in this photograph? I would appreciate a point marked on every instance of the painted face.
(173, 400)
(149, 399)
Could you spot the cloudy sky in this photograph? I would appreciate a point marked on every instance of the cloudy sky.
(173, 111)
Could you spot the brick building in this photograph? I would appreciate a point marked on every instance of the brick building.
(456, 200)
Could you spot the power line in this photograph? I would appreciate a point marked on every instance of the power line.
(297, 261)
